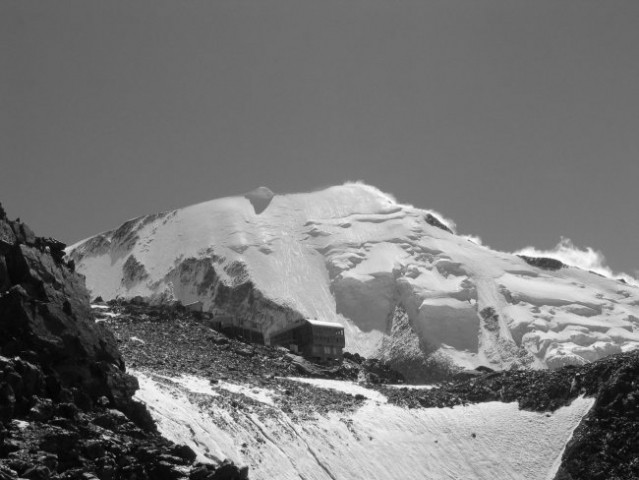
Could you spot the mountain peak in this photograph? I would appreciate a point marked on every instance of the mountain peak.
(404, 288)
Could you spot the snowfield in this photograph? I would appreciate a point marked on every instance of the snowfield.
(405, 290)
(489, 441)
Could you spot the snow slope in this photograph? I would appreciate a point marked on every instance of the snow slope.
(405, 289)
(488, 441)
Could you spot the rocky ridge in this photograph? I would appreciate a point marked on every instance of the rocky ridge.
(171, 341)
(66, 401)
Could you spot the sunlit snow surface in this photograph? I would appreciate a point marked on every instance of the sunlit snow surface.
(353, 255)
(489, 441)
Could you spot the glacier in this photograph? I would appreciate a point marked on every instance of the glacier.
(485, 441)
(406, 288)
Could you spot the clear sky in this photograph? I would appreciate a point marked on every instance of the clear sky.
(517, 119)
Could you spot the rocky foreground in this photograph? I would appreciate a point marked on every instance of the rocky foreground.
(172, 341)
(66, 402)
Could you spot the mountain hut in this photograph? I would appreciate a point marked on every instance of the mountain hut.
(312, 339)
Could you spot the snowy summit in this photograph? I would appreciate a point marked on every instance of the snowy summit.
(405, 287)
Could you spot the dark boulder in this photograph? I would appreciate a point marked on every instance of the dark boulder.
(184, 452)
(225, 471)
(42, 409)
(544, 263)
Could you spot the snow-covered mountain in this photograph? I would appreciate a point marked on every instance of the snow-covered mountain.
(406, 288)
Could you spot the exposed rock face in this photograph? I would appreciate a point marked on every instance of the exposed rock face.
(45, 317)
(436, 222)
(46, 434)
(543, 262)
(66, 406)
(133, 272)
(229, 289)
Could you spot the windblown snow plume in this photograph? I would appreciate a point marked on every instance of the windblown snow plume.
(585, 258)
(405, 287)
(447, 222)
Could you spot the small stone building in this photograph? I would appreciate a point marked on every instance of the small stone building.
(312, 339)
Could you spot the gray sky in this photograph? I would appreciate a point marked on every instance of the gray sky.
(517, 119)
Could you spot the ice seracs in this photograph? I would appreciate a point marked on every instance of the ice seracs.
(403, 287)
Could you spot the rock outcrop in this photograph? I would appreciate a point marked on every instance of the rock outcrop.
(46, 319)
(66, 401)
(543, 262)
